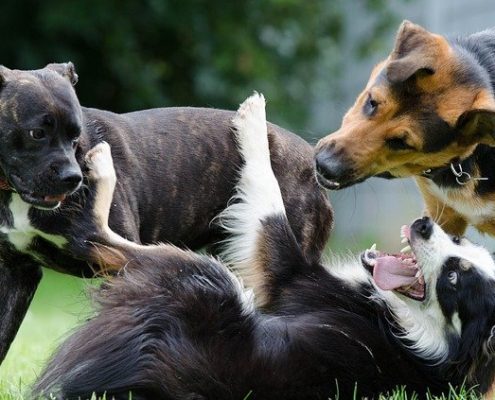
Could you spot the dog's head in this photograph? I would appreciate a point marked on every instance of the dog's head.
(40, 123)
(451, 275)
(428, 103)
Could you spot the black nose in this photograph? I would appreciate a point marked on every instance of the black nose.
(70, 178)
(423, 227)
(331, 167)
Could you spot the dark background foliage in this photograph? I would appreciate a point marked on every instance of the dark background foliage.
(139, 54)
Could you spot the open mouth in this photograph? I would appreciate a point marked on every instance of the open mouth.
(46, 202)
(334, 185)
(399, 272)
(38, 200)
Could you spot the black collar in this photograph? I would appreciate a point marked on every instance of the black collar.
(456, 173)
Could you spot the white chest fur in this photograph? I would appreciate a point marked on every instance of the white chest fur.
(22, 233)
(473, 209)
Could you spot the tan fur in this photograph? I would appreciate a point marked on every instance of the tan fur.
(362, 138)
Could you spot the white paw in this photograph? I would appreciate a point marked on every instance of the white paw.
(100, 163)
(250, 128)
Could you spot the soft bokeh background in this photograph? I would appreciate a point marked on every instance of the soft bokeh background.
(309, 58)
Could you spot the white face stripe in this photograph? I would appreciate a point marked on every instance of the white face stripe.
(434, 252)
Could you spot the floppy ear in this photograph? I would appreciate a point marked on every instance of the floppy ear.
(477, 125)
(67, 70)
(412, 53)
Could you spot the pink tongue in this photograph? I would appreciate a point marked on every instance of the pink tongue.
(60, 197)
(389, 273)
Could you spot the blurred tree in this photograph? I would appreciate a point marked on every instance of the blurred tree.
(138, 54)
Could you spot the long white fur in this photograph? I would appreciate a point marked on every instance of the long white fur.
(102, 172)
(257, 194)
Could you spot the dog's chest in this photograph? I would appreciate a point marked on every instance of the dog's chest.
(462, 200)
(19, 229)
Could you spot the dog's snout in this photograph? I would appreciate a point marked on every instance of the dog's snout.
(331, 166)
(72, 178)
(423, 227)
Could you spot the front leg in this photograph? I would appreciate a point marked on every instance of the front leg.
(19, 278)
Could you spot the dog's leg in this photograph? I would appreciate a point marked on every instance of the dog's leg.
(18, 282)
(108, 249)
(247, 249)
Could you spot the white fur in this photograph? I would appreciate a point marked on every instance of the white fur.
(423, 323)
(22, 233)
(257, 193)
(102, 172)
(477, 211)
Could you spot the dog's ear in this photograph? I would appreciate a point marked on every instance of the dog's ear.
(477, 125)
(412, 54)
(5, 75)
(67, 70)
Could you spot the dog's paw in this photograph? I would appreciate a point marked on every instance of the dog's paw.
(100, 163)
(250, 129)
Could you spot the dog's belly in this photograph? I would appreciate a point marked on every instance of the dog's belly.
(19, 230)
(475, 210)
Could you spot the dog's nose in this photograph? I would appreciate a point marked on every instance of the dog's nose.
(330, 167)
(71, 178)
(423, 227)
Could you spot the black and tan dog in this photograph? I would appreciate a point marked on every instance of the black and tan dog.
(427, 111)
(176, 168)
(178, 325)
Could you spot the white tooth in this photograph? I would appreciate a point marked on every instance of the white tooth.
(406, 249)
(404, 240)
(373, 247)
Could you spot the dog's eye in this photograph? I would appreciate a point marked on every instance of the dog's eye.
(75, 142)
(398, 143)
(370, 106)
(452, 277)
(37, 134)
(456, 239)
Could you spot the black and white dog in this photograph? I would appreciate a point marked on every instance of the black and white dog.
(176, 167)
(177, 325)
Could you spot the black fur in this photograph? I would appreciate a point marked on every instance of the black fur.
(176, 170)
(176, 328)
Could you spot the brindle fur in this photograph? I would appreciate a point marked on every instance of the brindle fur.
(176, 169)
(435, 105)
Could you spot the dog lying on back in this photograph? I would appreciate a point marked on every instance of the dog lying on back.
(177, 325)
(427, 111)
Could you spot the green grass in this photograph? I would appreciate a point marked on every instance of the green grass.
(60, 304)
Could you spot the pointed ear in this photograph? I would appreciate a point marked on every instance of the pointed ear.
(477, 125)
(67, 70)
(413, 53)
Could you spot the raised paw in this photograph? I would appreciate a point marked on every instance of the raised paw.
(250, 129)
(100, 163)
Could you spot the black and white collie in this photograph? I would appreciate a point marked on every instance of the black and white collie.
(177, 325)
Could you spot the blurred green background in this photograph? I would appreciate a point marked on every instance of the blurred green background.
(309, 58)
(140, 54)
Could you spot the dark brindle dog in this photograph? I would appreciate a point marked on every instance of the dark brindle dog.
(177, 325)
(176, 169)
(427, 111)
